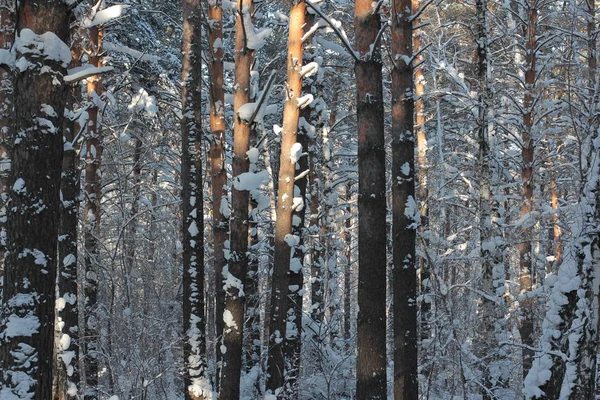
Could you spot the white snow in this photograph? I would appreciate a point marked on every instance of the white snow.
(84, 71)
(46, 46)
(253, 154)
(21, 326)
(193, 229)
(228, 319)
(19, 186)
(255, 40)
(295, 152)
(104, 16)
(127, 50)
(250, 180)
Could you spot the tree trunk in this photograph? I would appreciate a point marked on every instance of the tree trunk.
(27, 340)
(404, 208)
(220, 206)
(67, 307)
(371, 326)
(93, 196)
(285, 241)
(197, 384)
(7, 38)
(527, 152)
(233, 315)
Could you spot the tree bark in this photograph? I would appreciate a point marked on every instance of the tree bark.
(197, 384)
(405, 214)
(67, 310)
(27, 340)
(93, 197)
(217, 162)
(285, 242)
(371, 326)
(527, 152)
(7, 38)
(233, 315)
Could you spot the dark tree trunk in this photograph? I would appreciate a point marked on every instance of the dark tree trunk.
(371, 327)
(26, 347)
(7, 38)
(67, 307)
(197, 384)
(404, 208)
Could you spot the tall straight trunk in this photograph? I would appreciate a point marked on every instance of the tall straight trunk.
(284, 240)
(527, 152)
(487, 346)
(7, 38)
(27, 337)
(422, 185)
(217, 161)
(93, 196)
(197, 385)
(348, 271)
(67, 310)
(371, 326)
(404, 207)
(233, 314)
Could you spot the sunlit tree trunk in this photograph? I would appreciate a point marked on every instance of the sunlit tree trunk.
(527, 152)
(93, 196)
(404, 207)
(218, 173)
(197, 385)
(285, 241)
(27, 338)
(233, 314)
(371, 326)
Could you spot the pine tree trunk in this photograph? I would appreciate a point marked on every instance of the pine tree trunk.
(233, 315)
(285, 241)
(217, 162)
(371, 326)
(67, 307)
(93, 196)
(26, 347)
(7, 38)
(197, 384)
(527, 152)
(404, 208)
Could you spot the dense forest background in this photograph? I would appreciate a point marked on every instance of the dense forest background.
(299, 199)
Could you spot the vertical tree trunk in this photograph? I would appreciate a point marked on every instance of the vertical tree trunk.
(197, 384)
(285, 241)
(371, 326)
(422, 184)
(93, 196)
(233, 314)
(220, 208)
(348, 271)
(7, 38)
(67, 307)
(487, 345)
(404, 207)
(27, 337)
(527, 153)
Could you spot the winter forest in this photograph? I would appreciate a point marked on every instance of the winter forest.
(299, 199)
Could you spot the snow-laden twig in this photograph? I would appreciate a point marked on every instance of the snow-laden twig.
(336, 30)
